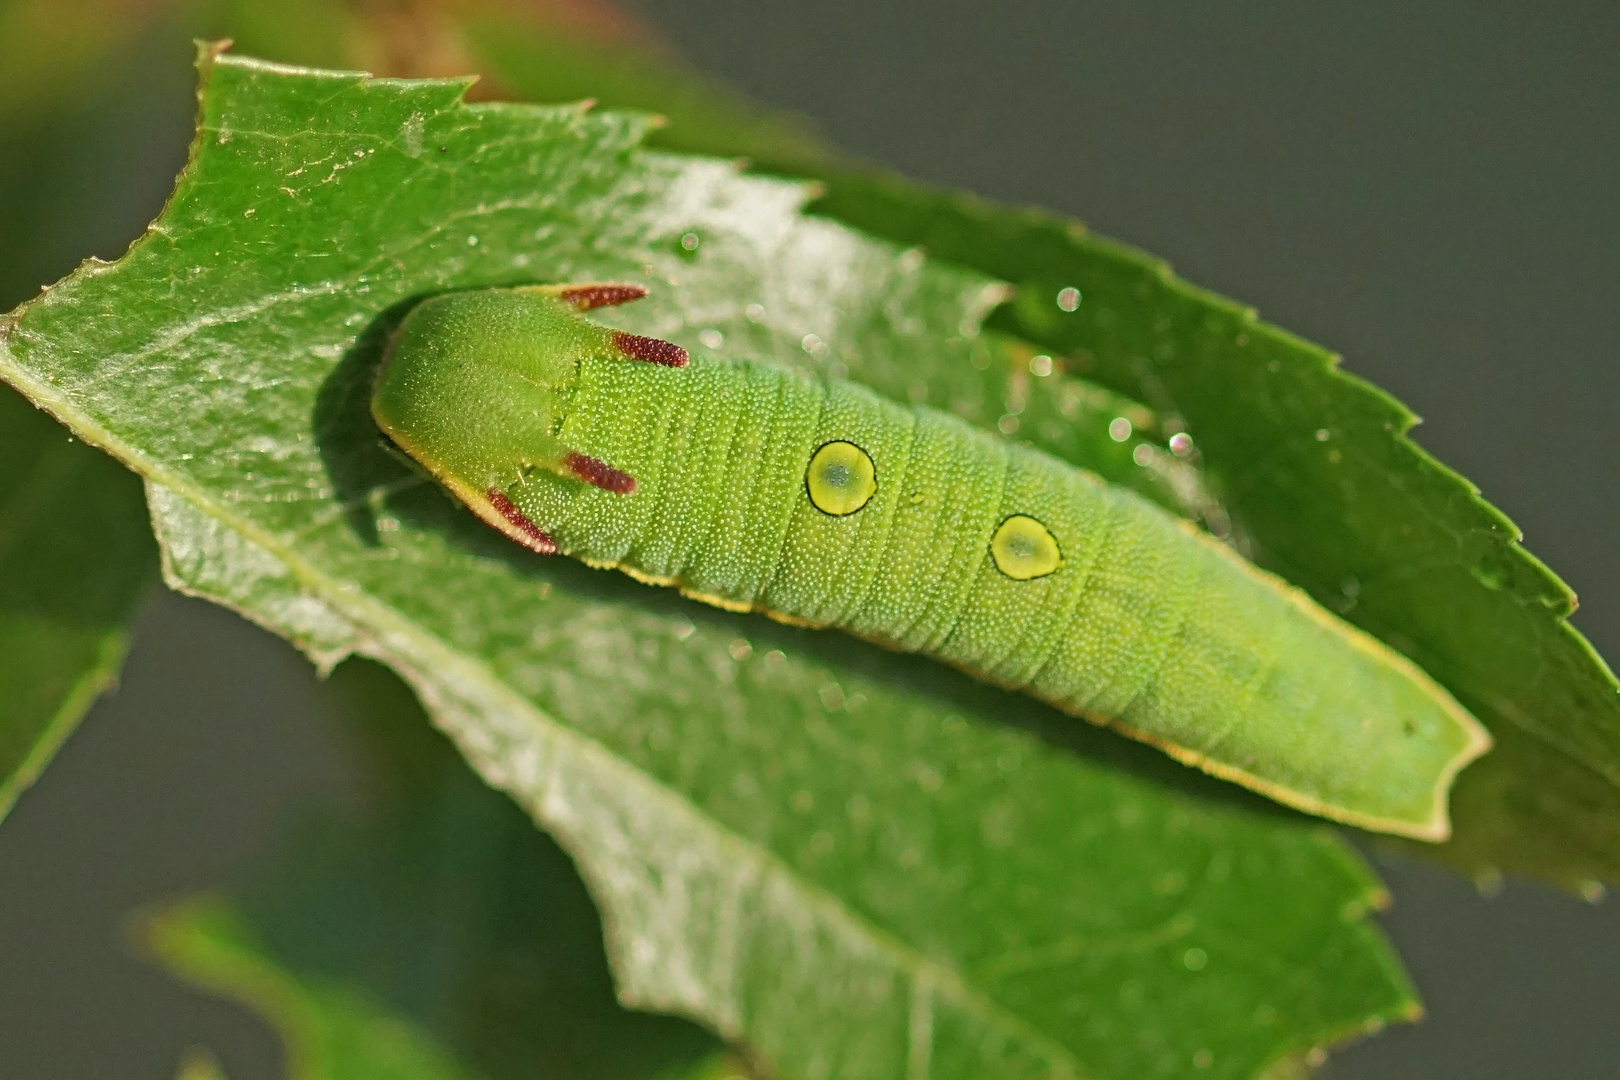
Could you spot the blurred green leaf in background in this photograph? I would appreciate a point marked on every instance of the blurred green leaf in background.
(436, 934)
(76, 554)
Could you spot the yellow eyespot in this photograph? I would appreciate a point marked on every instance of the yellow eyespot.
(841, 479)
(1023, 548)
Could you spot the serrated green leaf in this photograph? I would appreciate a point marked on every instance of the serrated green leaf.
(854, 861)
(1363, 519)
(1319, 474)
(76, 554)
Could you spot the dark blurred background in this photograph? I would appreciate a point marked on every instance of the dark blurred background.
(1430, 189)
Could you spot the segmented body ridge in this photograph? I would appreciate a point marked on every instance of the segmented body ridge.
(754, 487)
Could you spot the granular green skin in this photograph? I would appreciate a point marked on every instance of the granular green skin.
(1147, 624)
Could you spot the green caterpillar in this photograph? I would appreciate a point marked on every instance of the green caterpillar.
(819, 503)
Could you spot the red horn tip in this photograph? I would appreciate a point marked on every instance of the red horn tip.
(650, 350)
(586, 297)
(528, 533)
(594, 471)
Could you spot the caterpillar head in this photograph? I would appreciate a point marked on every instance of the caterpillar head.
(475, 384)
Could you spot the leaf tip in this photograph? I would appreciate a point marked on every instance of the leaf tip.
(210, 50)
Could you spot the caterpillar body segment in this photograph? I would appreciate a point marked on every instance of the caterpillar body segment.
(818, 502)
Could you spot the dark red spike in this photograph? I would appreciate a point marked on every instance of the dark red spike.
(606, 294)
(600, 473)
(533, 537)
(650, 349)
